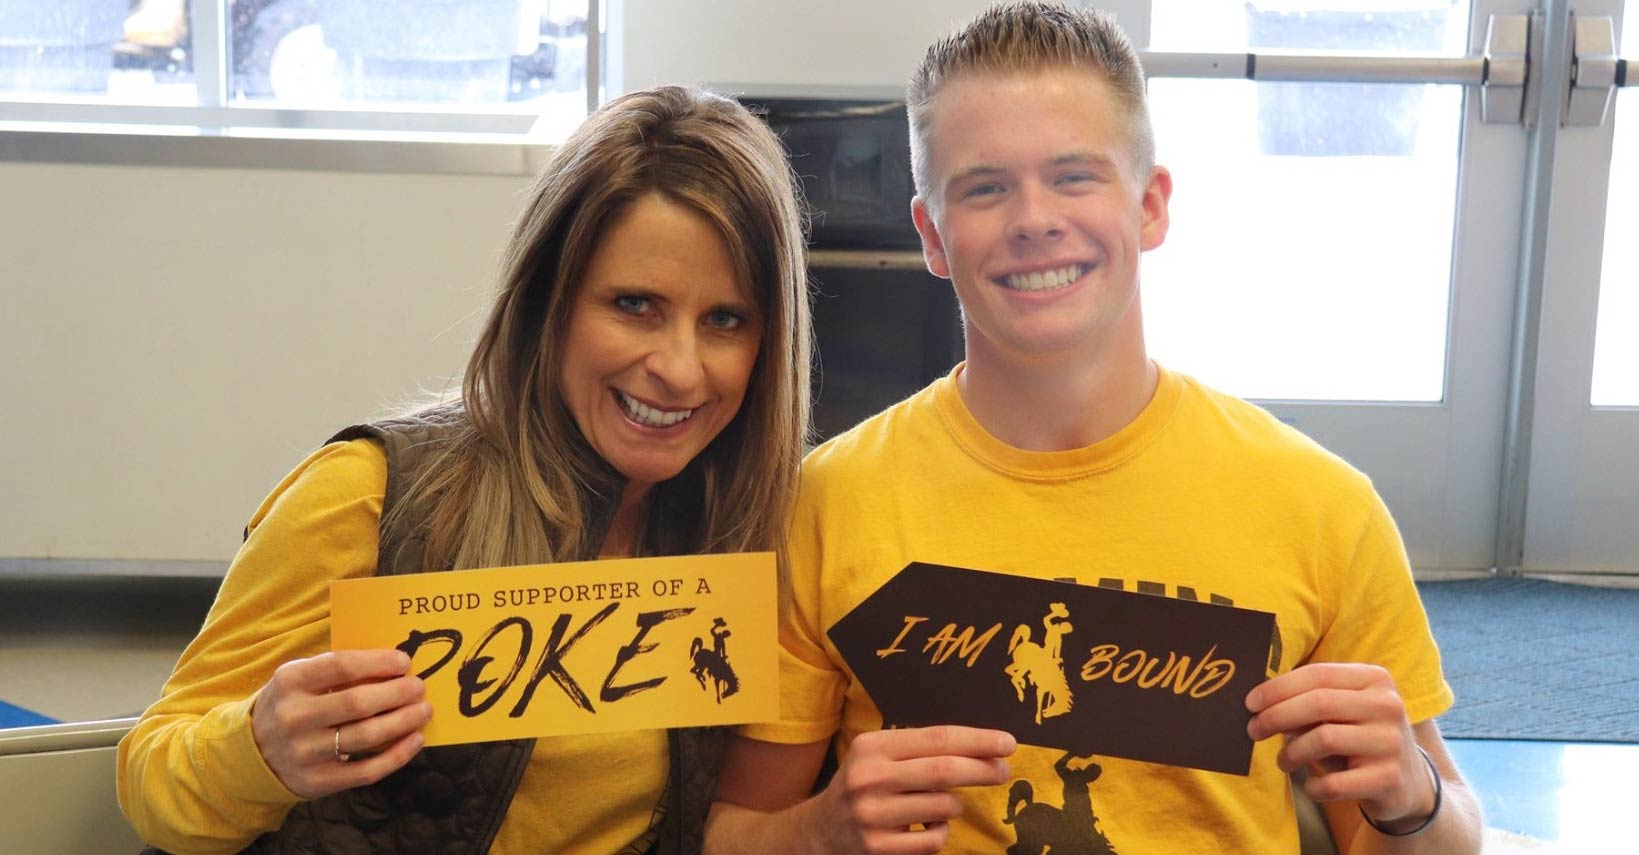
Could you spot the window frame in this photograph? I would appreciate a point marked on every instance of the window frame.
(213, 131)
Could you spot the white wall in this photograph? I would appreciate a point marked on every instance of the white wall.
(175, 340)
(816, 43)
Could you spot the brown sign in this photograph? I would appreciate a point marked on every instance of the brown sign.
(1088, 670)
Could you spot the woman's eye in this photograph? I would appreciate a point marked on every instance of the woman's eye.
(632, 305)
(724, 320)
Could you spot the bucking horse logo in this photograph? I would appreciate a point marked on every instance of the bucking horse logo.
(713, 664)
(1041, 665)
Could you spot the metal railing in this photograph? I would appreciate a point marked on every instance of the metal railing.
(70, 736)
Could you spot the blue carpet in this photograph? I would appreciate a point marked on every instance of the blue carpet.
(1531, 659)
(13, 716)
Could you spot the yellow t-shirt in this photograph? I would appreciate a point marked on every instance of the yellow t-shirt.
(1202, 496)
(190, 777)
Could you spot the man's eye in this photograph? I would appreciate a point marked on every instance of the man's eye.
(632, 305)
(983, 190)
(725, 320)
(1075, 178)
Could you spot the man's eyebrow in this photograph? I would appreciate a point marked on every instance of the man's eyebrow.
(1070, 158)
(1078, 157)
(981, 170)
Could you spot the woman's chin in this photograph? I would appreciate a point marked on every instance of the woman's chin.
(642, 476)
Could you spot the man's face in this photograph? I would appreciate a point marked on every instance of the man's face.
(1036, 216)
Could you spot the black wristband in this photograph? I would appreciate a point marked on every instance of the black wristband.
(1428, 820)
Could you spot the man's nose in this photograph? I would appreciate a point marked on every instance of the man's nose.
(675, 361)
(1036, 217)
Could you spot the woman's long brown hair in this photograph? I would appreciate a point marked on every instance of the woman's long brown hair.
(508, 488)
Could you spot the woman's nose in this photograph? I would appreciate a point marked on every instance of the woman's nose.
(675, 362)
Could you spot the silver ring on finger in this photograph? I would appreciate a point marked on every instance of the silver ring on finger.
(341, 756)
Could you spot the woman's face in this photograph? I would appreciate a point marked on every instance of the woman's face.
(662, 340)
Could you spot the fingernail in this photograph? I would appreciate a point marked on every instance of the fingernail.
(1007, 744)
(1004, 770)
(1254, 700)
(403, 660)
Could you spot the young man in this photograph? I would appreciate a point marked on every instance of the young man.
(1059, 448)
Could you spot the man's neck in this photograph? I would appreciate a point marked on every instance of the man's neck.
(1056, 404)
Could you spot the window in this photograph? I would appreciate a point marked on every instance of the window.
(1616, 353)
(507, 66)
(1279, 290)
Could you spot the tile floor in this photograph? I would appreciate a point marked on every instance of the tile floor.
(1566, 798)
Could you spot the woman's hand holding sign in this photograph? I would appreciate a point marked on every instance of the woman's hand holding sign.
(1347, 723)
(315, 720)
(894, 780)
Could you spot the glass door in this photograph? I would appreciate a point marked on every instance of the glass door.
(1408, 229)
(1582, 494)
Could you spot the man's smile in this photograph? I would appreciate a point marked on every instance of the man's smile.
(1050, 279)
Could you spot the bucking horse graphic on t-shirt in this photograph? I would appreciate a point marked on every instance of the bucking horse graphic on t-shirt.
(1070, 830)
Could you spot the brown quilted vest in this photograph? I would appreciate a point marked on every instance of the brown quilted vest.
(450, 800)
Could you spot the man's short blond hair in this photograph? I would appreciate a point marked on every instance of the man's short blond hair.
(1025, 37)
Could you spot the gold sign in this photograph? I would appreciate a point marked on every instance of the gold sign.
(585, 647)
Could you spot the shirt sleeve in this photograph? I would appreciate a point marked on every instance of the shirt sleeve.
(812, 684)
(1379, 619)
(190, 776)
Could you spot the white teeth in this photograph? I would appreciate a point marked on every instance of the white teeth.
(644, 414)
(1045, 280)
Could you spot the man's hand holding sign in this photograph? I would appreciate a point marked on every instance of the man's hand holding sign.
(892, 792)
(1345, 723)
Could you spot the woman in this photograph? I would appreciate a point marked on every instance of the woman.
(639, 389)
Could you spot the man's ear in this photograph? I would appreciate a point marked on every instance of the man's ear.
(933, 247)
(1157, 195)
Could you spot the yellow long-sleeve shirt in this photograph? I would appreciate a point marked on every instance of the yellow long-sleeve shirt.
(190, 776)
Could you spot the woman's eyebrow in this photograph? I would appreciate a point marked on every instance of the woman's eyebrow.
(737, 305)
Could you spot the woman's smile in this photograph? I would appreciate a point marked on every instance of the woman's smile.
(652, 417)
